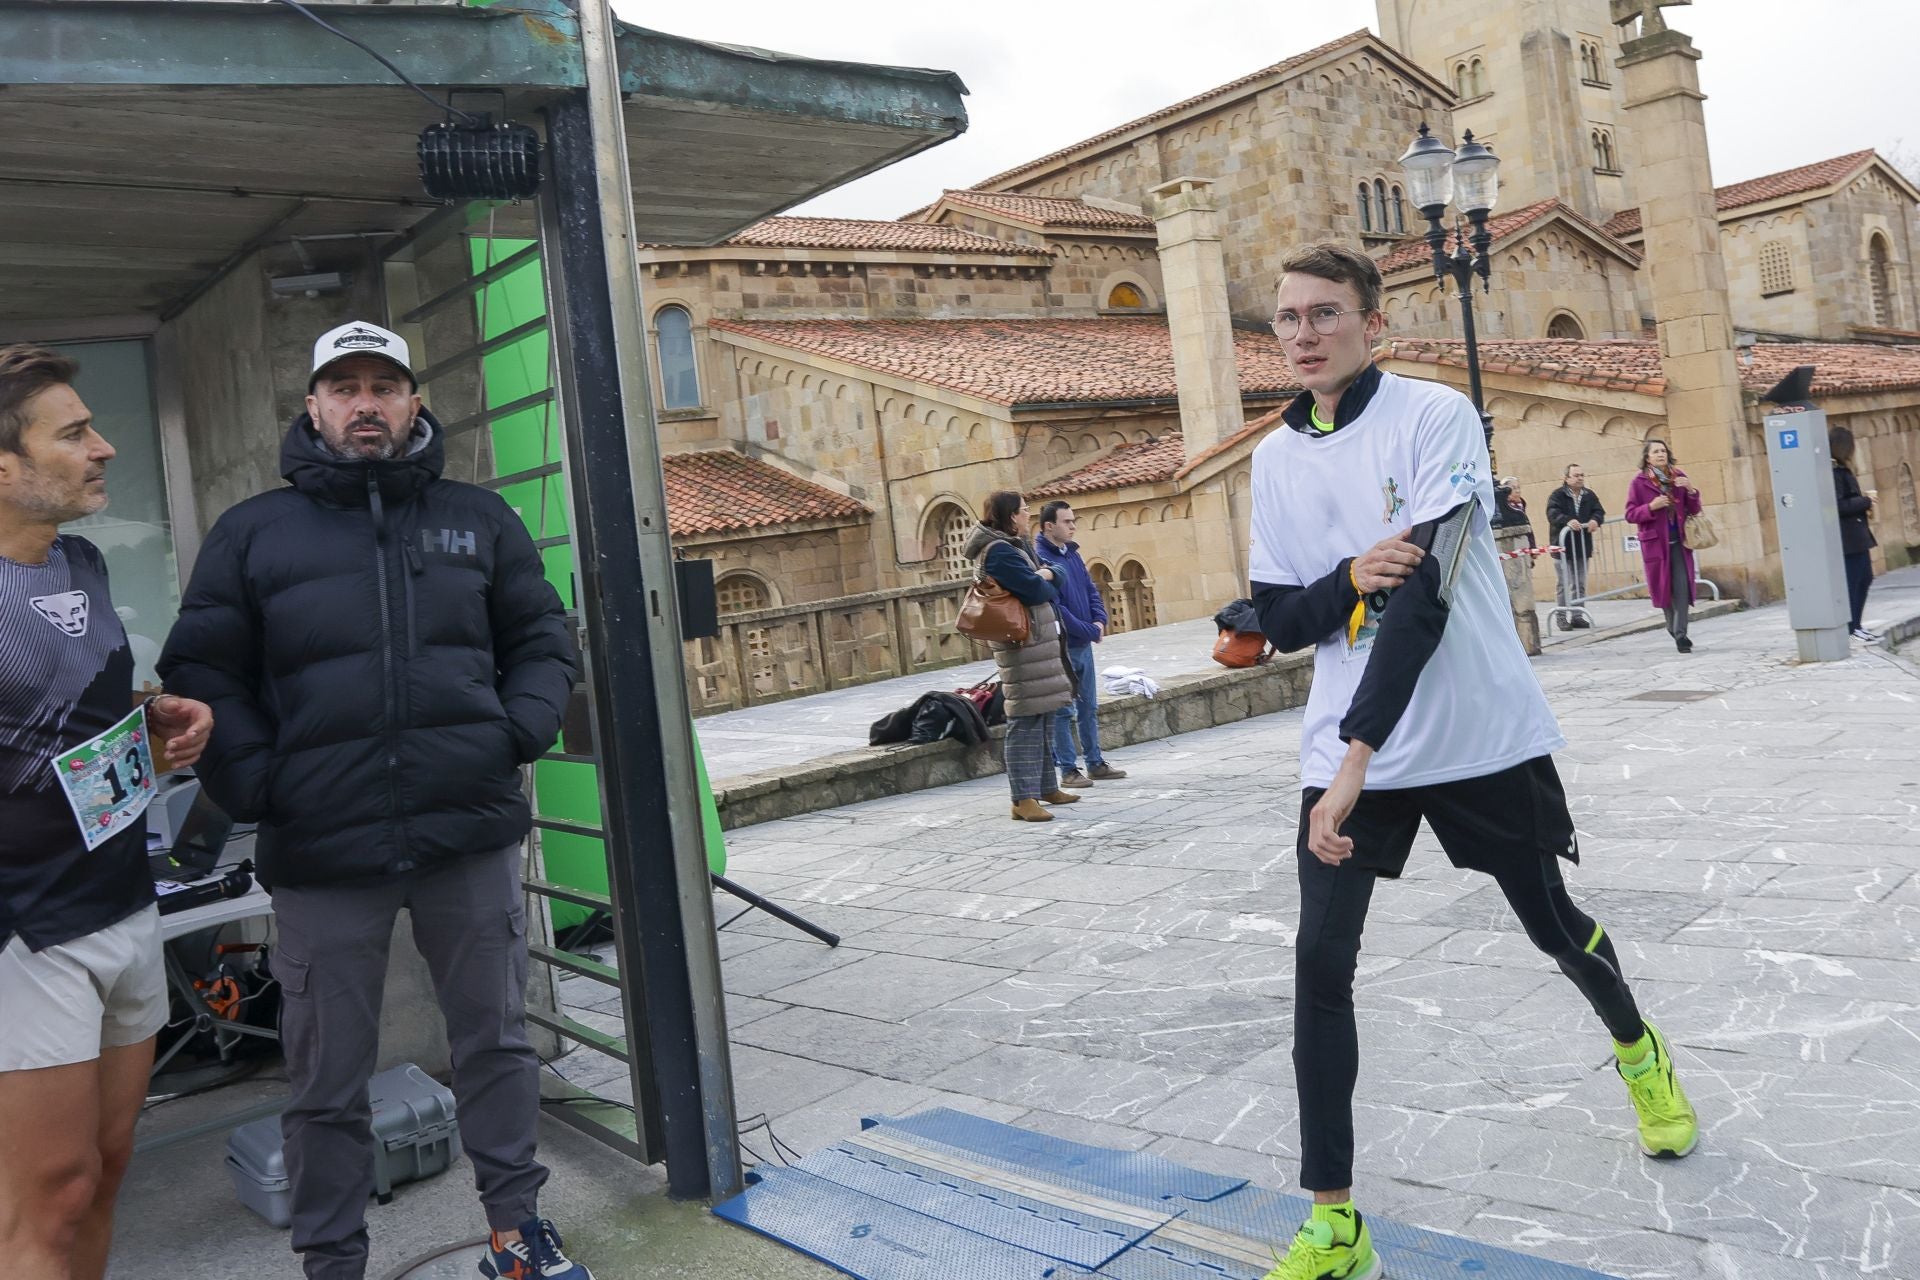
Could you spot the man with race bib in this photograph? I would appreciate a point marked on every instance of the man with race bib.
(82, 986)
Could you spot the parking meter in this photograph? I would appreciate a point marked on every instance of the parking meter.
(1808, 519)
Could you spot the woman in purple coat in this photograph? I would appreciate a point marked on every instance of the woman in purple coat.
(1659, 501)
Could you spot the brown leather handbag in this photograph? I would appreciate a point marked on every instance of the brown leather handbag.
(993, 614)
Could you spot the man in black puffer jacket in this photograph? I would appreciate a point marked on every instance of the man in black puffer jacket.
(384, 653)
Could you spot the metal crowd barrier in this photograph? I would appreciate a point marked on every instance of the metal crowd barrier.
(1614, 570)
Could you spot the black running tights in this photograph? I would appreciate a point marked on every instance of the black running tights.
(1326, 1046)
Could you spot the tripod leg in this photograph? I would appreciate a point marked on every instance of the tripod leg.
(775, 910)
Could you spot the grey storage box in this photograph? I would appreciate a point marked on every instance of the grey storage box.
(414, 1137)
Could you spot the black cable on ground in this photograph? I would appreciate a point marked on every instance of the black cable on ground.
(407, 1268)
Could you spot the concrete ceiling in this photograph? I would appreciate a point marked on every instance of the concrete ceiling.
(136, 160)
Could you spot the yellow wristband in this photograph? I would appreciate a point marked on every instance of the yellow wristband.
(1352, 579)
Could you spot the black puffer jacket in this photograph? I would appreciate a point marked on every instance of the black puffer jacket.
(382, 653)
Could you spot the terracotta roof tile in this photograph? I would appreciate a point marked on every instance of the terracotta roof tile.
(1414, 251)
(1148, 463)
(860, 233)
(1019, 362)
(1050, 211)
(1278, 68)
(1841, 368)
(1152, 463)
(1738, 195)
(1258, 427)
(719, 491)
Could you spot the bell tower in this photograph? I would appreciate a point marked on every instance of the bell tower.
(1536, 81)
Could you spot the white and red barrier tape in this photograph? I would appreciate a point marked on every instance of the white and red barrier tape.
(1529, 551)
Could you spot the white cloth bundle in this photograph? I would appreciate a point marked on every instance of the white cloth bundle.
(1120, 681)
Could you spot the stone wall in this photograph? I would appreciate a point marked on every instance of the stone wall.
(1537, 278)
(1869, 206)
(1285, 165)
(1787, 297)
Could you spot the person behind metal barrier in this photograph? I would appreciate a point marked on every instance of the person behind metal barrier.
(1659, 500)
(1856, 534)
(1371, 541)
(83, 986)
(1573, 510)
(385, 654)
(1034, 675)
(1083, 619)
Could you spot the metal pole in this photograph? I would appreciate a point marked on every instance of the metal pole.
(656, 855)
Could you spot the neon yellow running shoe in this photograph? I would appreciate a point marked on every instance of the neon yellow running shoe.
(1669, 1128)
(1333, 1245)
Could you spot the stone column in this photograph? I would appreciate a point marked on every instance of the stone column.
(1706, 412)
(1193, 272)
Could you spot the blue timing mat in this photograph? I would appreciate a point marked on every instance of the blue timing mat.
(947, 1196)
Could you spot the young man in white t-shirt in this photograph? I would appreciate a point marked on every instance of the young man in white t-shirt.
(1371, 541)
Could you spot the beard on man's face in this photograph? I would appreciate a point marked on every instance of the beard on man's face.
(366, 436)
(44, 495)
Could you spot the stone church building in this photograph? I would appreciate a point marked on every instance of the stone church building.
(839, 395)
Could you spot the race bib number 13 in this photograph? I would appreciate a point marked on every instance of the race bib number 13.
(109, 780)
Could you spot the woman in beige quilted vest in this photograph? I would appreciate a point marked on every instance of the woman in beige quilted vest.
(1033, 674)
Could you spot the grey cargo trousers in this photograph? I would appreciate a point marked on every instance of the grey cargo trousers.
(469, 921)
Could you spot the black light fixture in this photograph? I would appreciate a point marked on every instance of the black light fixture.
(465, 156)
(475, 159)
(1468, 179)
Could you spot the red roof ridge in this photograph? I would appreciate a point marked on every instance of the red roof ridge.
(725, 491)
(1066, 211)
(1840, 368)
(792, 232)
(1768, 186)
(1414, 250)
(1020, 362)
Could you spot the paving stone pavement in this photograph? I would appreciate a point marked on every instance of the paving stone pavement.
(1124, 975)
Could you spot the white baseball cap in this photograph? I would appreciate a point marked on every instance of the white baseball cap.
(358, 338)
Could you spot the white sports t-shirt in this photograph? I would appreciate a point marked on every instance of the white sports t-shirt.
(1415, 452)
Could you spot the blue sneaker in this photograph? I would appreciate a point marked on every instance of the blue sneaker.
(534, 1256)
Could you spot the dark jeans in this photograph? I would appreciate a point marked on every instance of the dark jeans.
(469, 921)
(1083, 711)
(1859, 578)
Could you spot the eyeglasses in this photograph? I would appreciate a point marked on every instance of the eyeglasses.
(1286, 325)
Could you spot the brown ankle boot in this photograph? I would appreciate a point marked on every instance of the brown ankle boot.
(1057, 796)
(1030, 811)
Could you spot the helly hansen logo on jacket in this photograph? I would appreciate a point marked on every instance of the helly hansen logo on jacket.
(453, 542)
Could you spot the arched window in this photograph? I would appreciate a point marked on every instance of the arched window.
(673, 336)
(950, 526)
(1115, 605)
(1136, 589)
(1460, 80)
(1399, 212)
(1380, 204)
(1776, 268)
(1477, 77)
(1603, 157)
(1565, 326)
(1880, 278)
(741, 593)
(1366, 208)
(1125, 295)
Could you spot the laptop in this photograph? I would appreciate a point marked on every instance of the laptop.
(197, 845)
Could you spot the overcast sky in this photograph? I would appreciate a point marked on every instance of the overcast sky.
(1788, 82)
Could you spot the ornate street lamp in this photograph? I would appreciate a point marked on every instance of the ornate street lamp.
(1470, 180)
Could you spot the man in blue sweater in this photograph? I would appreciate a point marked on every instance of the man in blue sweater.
(1083, 620)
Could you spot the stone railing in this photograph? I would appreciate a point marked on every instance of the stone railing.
(769, 655)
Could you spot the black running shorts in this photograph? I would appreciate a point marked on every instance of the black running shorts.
(1490, 823)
